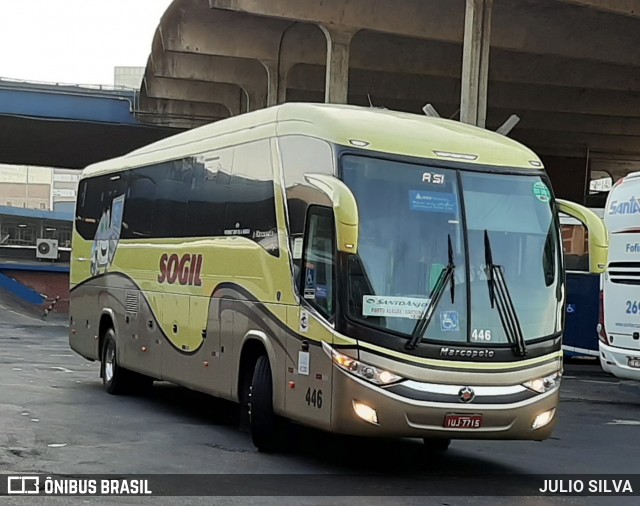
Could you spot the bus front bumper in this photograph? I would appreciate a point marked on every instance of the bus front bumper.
(616, 361)
(363, 409)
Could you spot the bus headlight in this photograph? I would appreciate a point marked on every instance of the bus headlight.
(542, 385)
(365, 371)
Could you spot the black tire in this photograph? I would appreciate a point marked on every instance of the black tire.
(436, 445)
(262, 420)
(115, 380)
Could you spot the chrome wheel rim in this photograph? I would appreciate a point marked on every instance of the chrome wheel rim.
(109, 363)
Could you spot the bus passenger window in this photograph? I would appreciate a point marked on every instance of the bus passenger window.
(575, 244)
(318, 261)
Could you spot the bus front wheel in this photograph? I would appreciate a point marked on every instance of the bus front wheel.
(113, 376)
(262, 419)
(115, 379)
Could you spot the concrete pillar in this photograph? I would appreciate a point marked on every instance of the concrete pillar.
(475, 62)
(271, 67)
(255, 99)
(283, 81)
(336, 89)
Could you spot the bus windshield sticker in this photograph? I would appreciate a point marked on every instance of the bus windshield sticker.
(435, 202)
(310, 283)
(394, 307)
(303, 363)
(304, 321)
(237, 231)
(297, 248)
(541, 191)
(449, 321)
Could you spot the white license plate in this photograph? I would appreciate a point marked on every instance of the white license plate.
(453, 421)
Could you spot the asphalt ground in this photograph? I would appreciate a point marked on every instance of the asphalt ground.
(55, 418)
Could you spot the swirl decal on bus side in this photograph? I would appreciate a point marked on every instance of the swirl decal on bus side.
(107, 237)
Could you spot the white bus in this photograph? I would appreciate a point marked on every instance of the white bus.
(619, 327)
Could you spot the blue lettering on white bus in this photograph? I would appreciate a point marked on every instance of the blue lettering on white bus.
(632, 206)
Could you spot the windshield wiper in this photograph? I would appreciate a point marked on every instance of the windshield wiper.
(500, 298)
(446, 276)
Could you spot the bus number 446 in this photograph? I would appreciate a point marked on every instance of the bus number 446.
(314, 398)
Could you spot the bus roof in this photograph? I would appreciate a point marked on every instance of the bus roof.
(374, 129)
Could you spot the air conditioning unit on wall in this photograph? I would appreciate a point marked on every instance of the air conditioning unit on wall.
(47, 249)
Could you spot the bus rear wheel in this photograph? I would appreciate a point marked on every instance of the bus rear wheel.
(262, 419)
(436, 445)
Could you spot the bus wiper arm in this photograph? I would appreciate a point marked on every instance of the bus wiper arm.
(501, 299)
(446, 276)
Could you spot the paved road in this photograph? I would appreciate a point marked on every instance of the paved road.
(55, 418)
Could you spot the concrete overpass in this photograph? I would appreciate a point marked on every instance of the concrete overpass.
(569, 68)
(70, 126)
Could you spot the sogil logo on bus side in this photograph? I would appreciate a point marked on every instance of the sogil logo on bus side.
(184, 270)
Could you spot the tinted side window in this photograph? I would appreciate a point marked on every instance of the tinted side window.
(251, 202)
(174, 182)
(140, 203)
(209, 192)
(88, 207)
(318, 286)
(303, 155)
(94, 199)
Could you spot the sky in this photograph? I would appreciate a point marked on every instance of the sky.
(75, 41)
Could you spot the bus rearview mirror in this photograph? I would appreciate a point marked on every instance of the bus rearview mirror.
(598, 237)
(345, 210)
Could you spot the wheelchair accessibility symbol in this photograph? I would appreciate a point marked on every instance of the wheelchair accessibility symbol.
(449, 321)
(571, 308)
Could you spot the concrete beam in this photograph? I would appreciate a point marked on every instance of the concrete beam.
(566, 122)
(305, 43)
(250, 75)
(524, 97)
(177, 114)
(191, 26)
(621, 7)
(612, 144)
(542, 140)
(546, 28)
(558, 123)
(229, 96)
(534, 130)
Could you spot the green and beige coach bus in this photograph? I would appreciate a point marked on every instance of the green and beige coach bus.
(356, 270)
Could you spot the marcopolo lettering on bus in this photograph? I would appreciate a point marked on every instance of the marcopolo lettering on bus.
(185, 269)
(465, 352)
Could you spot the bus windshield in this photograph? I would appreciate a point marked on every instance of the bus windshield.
(418, 222)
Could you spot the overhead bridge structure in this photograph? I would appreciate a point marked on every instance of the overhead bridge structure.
(70, 126)
(570, 69)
